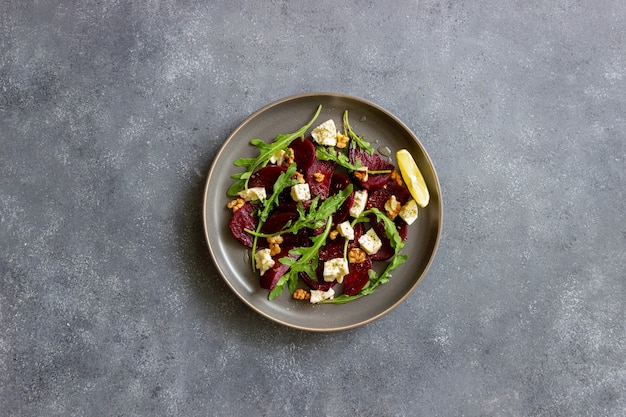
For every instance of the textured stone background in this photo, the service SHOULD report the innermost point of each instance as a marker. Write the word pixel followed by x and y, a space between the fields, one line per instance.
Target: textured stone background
pixel 111 113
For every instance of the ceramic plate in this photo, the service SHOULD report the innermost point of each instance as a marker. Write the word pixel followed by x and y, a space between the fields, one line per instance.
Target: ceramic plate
pixel 380 128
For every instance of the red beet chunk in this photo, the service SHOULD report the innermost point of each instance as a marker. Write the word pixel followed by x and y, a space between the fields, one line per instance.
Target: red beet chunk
pixel 373 163
pixel 244 219
pixel 378 197
pixel 276 222
pixel 338 183
pixel 272 275
pixel 286 204
pixel 333 249
pixel 266 177
pixel 303 153
pixel 357 277
pixel 318 284
pixel 320 188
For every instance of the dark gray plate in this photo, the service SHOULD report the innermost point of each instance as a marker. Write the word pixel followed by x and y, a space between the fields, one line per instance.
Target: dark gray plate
pixel 285 116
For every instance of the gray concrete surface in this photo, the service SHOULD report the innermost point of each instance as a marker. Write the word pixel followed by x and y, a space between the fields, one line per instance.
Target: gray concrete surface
pixel 111 113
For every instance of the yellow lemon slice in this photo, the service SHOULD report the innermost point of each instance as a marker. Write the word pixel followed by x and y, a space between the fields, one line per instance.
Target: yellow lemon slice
pixel 413 177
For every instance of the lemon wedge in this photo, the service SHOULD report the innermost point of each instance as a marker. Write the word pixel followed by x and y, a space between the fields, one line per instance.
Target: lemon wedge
pixel 413 177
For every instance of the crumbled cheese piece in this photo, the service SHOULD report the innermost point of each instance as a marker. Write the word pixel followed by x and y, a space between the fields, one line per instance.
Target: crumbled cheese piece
pixel 408 213
pixel 263 260
pixel 301 192
pixel 326 133
pixel 278 157
pixel 319 295
pixel 254 193
pixel 360 199
pixel 346 230
pixel 335 269
pixel 370 242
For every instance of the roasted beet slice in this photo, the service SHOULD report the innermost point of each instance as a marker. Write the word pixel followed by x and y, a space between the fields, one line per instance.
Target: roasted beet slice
pixel 338 183
pixel 266 177
pixel 290 206
pixel 303 153
pixel 333 249
pixel 373 163
pixel 272 275
pixel 320 188
pixel 357 278
pixel 241 220
pixel 277 221
pixel 316 284
pixel 378 197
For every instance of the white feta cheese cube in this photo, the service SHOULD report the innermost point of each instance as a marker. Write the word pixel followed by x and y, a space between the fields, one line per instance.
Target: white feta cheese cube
pixel 346 230
pixel 326 133
pixel 254 193
pixel 263 260
pixel 278 157
pixel 408 212
pixel 335 269
pixel 319 295
pixel 360 199
pixel 370 242
pixel 301 192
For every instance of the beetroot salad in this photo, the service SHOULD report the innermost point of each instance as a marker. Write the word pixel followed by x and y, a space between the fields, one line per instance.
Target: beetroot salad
pixel 319 211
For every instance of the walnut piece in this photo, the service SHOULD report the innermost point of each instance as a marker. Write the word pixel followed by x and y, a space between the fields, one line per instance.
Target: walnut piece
pixel 299 177
pixel 318 176
pixel 274 249
pixel 342 140
pixel 361 174
pixel 397 178
pixel 278 239
pixel 301 294
pixel 289 157
pixel 356 256
pixel 333 234
pixel 236 204
pixel 392 207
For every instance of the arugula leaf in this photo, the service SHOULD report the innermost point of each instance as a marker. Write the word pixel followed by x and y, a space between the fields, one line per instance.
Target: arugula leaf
pixel 266 151
pixel 283 181
pixel 338 157
pixel 363 144
pixel 342 160
pixel 306 254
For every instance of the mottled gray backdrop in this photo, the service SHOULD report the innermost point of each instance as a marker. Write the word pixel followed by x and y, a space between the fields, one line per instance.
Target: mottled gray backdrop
pixel 112 111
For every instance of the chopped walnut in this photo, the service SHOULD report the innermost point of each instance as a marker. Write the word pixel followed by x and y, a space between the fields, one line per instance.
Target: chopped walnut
pixel 342 140
pixel 236 204
pixel 356 256
pixel 392 207
pixel 361 174
pixel 397 178
pixel 274 249
pixel 278 239
pixel 298 176
pixel 318 176
pixel 274 242
pixel 301 294
pixel 333 234
pixel 289 157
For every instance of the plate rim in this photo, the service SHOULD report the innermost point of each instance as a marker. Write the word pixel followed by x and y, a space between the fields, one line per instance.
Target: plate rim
pixel 279 102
